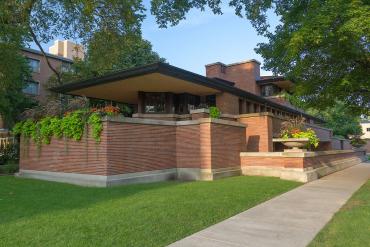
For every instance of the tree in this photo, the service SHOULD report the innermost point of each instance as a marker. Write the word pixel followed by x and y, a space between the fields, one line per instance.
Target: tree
pixel 13 71
pixel 340 119
pixel 123 52
pixel 41 21
pixel 111 29
pixel 323 46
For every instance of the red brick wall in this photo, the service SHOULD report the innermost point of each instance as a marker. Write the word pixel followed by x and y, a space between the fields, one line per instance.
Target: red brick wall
pixel 297 162
pixel 140 147
pixel 258 133
pixel 242 74
pixel 188 146
pixel 227 103
pixel 227 143
pixel 136 147
pixel 66 156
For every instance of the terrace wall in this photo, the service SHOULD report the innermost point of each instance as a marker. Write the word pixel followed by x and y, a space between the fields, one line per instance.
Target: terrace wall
pixel 138 150
pixel 299 166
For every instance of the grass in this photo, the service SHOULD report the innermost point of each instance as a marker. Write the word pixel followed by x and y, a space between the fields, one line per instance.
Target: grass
pixel 39 213
pixel 350 226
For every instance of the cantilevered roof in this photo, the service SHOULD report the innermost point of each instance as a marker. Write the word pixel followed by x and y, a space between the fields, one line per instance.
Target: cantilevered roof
pixel 122 86
pixel 280 81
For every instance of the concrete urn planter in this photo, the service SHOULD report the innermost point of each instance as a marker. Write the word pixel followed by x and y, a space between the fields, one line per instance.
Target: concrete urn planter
pixel 295 144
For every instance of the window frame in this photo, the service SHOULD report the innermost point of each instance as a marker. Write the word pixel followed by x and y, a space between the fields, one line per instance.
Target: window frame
pixel 33 82
pixel 34 59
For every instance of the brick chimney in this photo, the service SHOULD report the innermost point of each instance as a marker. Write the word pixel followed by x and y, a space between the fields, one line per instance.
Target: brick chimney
pixel 243 74
pixel 67 49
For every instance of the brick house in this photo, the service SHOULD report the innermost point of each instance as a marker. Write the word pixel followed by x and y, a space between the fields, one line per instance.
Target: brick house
pixel 171 136
pixel 60 56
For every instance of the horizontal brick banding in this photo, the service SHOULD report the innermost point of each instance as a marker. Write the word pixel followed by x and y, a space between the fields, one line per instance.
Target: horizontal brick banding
pixel 130 147
pixel 66 155
pixel 299 162
pixel 140 147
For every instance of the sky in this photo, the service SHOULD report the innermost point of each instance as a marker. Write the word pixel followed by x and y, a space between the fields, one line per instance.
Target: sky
pixel 204 38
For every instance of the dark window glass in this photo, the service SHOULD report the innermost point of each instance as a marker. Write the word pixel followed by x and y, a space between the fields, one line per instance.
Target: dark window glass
pixel 211 100
pixel 34 64
pixel 31 88
pixel 269 90
pixel 154 102
pixel 368 129
pixel 186 102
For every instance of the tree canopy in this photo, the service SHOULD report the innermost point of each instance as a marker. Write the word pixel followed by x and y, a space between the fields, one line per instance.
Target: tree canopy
pixel 323 46
pixel 340 119
pixel 110 29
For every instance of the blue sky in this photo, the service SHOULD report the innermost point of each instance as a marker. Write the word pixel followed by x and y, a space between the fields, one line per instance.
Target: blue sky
pixel 204 38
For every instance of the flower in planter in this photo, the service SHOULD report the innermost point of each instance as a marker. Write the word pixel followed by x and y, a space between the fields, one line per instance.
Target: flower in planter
pixel 295 128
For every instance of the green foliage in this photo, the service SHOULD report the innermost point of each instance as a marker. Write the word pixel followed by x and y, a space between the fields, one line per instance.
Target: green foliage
pixel 341 119
pixel 46 132
pixel 9 152
pixel 214 112
pixel 72 126
pixel 29 128
pixel 323 46
pixel 357 142
pixel 95 122
pixel 310 134
pixel 56 126
pixel 295 128
pixel 10 167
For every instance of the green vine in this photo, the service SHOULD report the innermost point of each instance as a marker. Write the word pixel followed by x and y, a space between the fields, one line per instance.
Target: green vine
pixel 72 126
pixel 96 124
pixel 214 112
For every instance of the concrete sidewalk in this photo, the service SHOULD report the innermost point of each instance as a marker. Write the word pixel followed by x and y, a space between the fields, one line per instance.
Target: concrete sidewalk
pixel 289 220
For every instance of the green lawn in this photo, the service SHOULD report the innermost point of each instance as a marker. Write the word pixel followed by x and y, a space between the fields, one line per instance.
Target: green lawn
pixel 350 226
pixel 39 213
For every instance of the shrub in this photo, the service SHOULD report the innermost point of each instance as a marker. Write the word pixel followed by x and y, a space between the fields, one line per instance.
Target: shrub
pixel 214 112
pixel 9 152
pixel 10 167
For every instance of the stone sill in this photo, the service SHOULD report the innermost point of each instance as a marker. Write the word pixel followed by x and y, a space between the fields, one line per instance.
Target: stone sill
pixel 122 119
pixel 295 154
pixel 155 115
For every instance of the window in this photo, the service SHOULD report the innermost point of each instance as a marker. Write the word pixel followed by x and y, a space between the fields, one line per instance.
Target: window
pixel 368 129
pixel 269 90
pixel 186 102
pixel 66 67
pixel 154 102
pixel 34 64
pixel 32 88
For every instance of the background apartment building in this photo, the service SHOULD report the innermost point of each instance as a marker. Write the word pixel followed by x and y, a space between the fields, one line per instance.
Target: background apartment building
pixel 60 56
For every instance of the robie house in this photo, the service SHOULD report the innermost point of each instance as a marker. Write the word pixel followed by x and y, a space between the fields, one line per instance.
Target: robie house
pixel 171 136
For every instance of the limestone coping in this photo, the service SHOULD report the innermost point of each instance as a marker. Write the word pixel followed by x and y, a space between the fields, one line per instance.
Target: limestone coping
pixel 290 139
pixel 122 119
pixel 295 154
pixel 170 115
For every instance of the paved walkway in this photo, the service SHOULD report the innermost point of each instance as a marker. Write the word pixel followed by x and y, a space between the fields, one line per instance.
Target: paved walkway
pixel 289 220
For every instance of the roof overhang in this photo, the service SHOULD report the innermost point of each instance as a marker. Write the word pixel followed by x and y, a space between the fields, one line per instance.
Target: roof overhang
pixel 279 81
pixel 122 86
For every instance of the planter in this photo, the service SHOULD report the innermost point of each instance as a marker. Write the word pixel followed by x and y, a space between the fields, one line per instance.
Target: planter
pixel 296 144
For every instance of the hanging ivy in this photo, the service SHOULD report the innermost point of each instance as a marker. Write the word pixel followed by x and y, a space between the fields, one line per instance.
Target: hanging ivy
pixel 96 124
pixel 71 126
